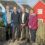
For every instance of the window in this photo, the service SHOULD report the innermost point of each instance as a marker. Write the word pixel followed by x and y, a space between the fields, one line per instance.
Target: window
pixel 40 11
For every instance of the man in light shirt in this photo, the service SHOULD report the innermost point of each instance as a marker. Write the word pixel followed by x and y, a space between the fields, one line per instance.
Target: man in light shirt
pixel 8 27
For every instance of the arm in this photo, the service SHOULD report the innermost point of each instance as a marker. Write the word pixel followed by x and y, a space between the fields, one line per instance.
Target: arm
pixel 19 18
pixel 12 17
pixel 27 18
pixel 4 18
pixel 3 9
pixel 35 22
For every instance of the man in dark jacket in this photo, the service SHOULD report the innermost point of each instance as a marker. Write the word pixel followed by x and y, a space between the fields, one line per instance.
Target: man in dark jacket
pixel 15 23
pixel 23 23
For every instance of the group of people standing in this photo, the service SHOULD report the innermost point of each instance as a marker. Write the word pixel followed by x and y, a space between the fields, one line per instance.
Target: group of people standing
pixel 17 25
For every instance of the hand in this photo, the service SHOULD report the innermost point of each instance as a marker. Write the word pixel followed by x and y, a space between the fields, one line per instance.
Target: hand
pixel 29 26
pixel 22 25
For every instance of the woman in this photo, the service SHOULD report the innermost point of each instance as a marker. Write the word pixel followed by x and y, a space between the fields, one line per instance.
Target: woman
pixel 33 25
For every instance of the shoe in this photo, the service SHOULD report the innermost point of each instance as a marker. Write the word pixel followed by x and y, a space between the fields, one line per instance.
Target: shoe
pixel 23 39
pixel 17 39
pixel 34 44
pixel 14 40
pixel 28 41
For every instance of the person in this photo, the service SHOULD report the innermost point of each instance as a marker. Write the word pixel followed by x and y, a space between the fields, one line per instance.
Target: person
pixel 33 25
pixel 8 27
pixel 15 24
pixel 7 23
pixel 23 23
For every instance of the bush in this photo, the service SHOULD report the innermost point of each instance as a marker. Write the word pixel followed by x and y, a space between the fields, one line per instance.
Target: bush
pixel 1 24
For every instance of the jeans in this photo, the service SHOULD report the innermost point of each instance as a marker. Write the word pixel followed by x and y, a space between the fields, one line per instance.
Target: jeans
pixel 16 32
pixel 33 34
pixel 23 33
pixel 8 32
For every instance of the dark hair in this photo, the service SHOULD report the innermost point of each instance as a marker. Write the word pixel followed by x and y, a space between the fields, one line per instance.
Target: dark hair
pixel 24 6
pixel 14 5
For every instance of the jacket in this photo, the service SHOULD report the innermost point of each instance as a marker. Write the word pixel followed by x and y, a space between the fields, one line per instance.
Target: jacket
pixel 15 18
pixel 33 21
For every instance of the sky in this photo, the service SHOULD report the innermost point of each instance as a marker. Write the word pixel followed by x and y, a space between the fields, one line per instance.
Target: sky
pixel 31 3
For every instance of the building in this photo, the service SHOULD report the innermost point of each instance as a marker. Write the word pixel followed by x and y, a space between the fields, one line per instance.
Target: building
pixel 40 10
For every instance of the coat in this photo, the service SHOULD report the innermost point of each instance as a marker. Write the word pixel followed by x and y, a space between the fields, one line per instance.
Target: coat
pixel 33 21
pixel 4 18
pixel 25 18
pixel 15 18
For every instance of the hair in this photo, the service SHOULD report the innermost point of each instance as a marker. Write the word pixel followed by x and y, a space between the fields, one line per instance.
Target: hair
pixel 14 5
pixel 24 6
pixel 31 9
pixel 6 5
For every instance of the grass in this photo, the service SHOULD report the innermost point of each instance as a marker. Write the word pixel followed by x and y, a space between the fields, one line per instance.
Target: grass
pixel 40 36
pixel 1 23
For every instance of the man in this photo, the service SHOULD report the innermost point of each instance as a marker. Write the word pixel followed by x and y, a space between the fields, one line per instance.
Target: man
pixel 8 27
pixel 15 23
pixel 23 22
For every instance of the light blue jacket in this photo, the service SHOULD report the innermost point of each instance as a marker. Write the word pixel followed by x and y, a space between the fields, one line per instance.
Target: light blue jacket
pixel 4 18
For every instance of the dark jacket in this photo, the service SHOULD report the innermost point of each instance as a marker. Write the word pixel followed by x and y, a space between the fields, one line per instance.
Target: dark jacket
pixel 15 18
pixel 25 18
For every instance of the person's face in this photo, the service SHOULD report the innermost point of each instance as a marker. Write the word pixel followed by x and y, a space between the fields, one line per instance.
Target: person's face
pixel 23 9
pixel 31 11
pixel 14 9
pixel 7 8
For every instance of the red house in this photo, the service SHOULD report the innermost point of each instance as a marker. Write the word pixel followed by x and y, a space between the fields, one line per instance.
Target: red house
pixel 39 8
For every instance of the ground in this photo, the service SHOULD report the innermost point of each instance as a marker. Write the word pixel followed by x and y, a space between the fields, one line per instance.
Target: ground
pixel 16 43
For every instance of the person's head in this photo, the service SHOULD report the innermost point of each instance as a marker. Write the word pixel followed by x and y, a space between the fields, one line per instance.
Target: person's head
pixel 31 11
pixel 14 8
pixel 23 9
pixel 7 7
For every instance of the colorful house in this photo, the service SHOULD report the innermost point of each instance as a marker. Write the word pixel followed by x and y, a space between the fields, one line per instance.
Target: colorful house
pixel 40 10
